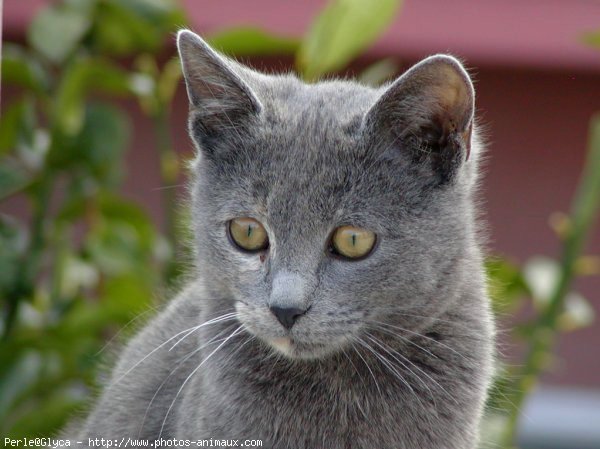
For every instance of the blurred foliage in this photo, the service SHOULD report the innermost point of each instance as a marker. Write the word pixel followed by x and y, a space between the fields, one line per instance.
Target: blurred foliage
pixel 542 290
pixel 334 38
pixel 87 261
pixel 592 38
pixel 544 286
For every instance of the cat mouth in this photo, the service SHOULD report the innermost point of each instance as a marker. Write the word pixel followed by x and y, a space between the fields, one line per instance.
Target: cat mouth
pixel 297 349
pixel 282 344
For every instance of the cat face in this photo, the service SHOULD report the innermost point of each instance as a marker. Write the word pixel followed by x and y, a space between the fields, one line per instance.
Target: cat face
pixel 325 210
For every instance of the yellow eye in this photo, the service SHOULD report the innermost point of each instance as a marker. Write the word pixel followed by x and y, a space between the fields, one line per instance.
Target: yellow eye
pixel 248 234
pixel 351 242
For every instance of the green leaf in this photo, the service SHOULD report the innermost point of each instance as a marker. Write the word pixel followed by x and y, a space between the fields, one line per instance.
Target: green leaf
pixel 56 31
pixel 13 242
pixel 9 127
pixel 506 285
pixel 119 32
pixel 17 126
pixel 343 30
pixel 81 78
pixel 126 296
pixel 97 149
pixel 77 274
pixel 592 39
pixel 124 239
pixel 116 248
pixel 18 377
pixel 83 320
pixel 20 68
pixel 113 207
pixel 20 137
pixel 103 141
pixel 379 72
pixel 161 13
pixel 12 178
pixel 500 389
pixel 44 416
pixel 252 42
pixel 124 27
pixel 168 81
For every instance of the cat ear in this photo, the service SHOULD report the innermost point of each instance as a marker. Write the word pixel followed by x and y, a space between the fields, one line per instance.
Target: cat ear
pixel 428 111
pixel 220 98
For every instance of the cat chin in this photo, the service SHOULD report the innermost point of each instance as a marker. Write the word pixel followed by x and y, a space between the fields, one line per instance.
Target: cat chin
pixel 296 350
pixel 282 346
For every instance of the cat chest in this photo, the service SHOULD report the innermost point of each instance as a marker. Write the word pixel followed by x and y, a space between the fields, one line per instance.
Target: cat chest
pixel 306 415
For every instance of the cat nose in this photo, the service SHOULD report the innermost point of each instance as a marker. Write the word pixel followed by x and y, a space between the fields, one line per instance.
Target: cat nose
pixel 287 316
pixel 288 299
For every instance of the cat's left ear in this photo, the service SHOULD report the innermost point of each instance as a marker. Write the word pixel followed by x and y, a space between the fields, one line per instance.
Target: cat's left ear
pixel 429 112
pixel 221 100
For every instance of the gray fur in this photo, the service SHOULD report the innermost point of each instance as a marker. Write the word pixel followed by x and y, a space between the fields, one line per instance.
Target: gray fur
pixel 396 349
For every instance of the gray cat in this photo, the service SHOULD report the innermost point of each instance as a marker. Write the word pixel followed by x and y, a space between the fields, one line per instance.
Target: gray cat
pixel 339 299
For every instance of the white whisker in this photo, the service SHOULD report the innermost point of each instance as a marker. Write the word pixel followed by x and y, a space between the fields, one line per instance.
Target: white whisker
pixel 425 337
pixel 378 326
pixel 389 366
pixel 215 339
pixel 129 323
pixel 188 331
pixel 233 334
pixel 369 368
pixel 398 353
pixel 226 317
pixel 355 368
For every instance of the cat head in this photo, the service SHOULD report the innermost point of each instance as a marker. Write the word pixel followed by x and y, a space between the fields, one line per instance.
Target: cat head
pixel 324 210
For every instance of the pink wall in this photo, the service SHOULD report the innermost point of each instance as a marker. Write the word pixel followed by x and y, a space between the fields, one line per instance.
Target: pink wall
pixel 544 33
pixel 541 33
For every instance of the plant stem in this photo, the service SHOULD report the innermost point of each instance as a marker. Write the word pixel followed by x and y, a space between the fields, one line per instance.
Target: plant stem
pixel 584 209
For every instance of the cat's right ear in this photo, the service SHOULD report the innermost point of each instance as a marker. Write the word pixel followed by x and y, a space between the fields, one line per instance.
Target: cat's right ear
pixel 221 101
pixel 427 115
